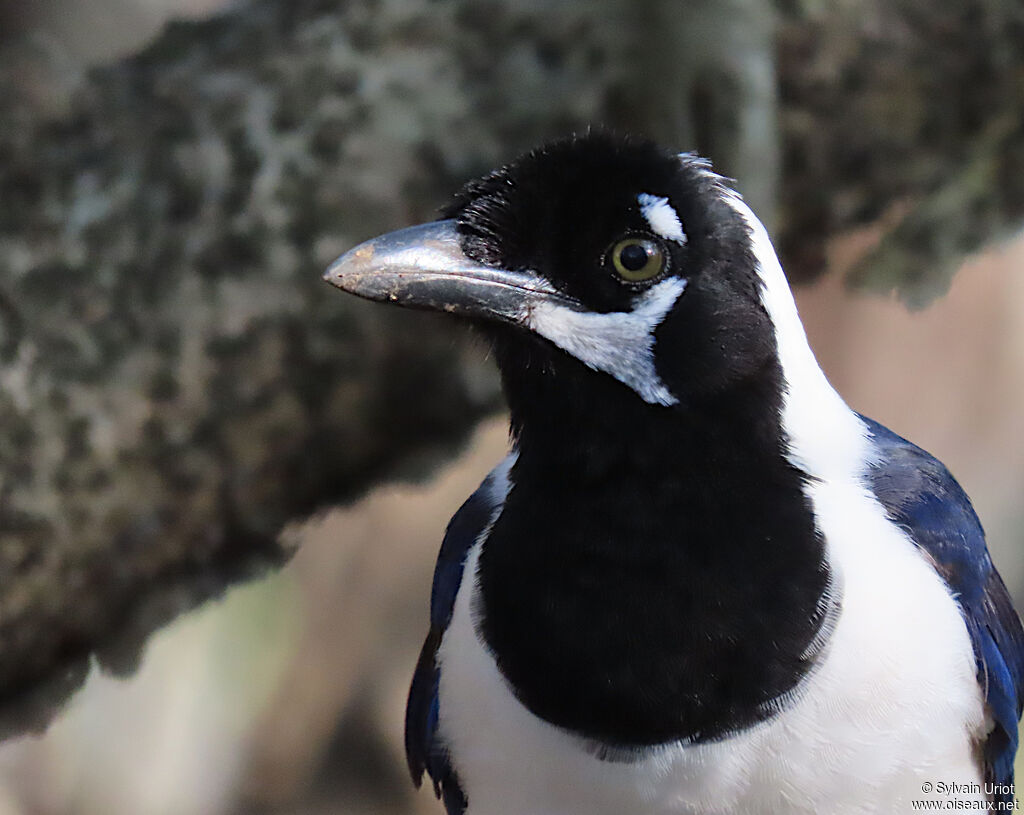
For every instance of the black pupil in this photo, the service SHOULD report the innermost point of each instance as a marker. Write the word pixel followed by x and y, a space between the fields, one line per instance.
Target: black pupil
pixel 633 257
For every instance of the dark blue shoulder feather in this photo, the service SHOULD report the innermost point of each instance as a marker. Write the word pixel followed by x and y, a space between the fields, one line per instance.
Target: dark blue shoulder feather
pixel 423 748
pixel 921 496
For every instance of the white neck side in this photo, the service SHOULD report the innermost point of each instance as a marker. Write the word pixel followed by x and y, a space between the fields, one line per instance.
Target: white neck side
pixel 826 438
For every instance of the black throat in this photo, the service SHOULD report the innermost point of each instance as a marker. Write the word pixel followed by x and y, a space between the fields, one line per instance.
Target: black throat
pixel 656 573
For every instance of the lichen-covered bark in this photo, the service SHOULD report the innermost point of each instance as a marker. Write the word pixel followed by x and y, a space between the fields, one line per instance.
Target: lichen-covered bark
pixel 175 381
pixel 909 114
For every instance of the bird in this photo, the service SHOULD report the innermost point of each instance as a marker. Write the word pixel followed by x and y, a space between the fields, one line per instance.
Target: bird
pixel 699 582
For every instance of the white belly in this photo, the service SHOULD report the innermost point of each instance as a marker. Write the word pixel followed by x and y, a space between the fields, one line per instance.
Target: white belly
pixel 894 704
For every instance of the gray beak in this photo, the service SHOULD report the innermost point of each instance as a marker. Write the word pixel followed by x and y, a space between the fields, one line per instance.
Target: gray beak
pixel 424 267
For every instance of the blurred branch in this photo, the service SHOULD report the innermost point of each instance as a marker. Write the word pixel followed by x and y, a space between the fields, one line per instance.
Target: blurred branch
pixel 703 78
pixel 175 381
pixel 901 107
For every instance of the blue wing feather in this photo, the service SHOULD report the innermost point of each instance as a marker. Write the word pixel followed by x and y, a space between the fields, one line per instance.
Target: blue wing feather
pixel 918 493
pixel 423 748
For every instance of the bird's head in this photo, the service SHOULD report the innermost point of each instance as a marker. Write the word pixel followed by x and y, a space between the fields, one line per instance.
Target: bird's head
pixel 593 260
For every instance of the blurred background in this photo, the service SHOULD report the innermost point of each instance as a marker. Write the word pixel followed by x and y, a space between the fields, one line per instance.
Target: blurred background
pixel 285 692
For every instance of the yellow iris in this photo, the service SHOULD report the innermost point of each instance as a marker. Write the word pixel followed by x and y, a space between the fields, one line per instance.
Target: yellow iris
pixel 638 259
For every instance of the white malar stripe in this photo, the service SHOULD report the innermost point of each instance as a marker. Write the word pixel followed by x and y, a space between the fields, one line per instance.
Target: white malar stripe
pixel 620 343
pixel 663 219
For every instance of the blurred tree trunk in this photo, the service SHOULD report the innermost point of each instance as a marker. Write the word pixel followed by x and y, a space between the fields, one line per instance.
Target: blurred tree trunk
pixel 176 383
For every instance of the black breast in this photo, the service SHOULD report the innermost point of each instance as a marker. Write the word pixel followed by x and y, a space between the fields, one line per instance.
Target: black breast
pixel 656 573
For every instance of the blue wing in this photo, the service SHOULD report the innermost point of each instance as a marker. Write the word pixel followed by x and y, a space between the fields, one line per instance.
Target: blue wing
pixel 423 748
pixel 921 496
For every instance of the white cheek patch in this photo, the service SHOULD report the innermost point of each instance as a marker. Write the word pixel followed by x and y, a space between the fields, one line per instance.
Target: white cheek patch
pixel 620 343
pixel 661 217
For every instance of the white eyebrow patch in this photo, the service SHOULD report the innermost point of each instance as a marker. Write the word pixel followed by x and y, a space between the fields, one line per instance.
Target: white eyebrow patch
pixel 658 212
pixel 620 343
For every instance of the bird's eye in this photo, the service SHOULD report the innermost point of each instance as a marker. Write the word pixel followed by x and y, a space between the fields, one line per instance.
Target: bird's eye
pixel 637 259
